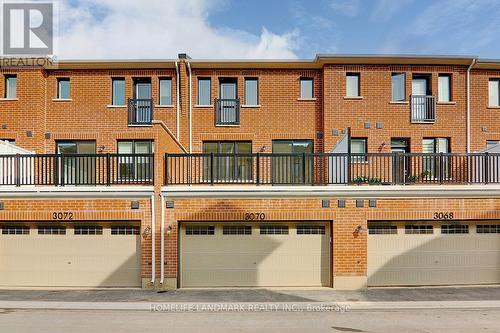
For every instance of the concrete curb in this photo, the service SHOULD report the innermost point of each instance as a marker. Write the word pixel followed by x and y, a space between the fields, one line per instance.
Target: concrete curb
pixel 249 306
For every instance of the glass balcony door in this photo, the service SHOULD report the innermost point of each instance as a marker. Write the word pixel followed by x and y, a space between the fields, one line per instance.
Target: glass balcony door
pixel 232 161
pixel 228 94
pixel 131 167
pixel 295 165
pixel 77 170
pixel 143 105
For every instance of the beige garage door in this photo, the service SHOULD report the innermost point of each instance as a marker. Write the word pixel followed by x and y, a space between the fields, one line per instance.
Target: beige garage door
pixel 253 255
pixel 427 253
pixel 85 255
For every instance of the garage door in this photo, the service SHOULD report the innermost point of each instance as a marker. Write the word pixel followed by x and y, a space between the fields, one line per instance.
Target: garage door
pixel 86 255
pixel 428 253
pixel 252 255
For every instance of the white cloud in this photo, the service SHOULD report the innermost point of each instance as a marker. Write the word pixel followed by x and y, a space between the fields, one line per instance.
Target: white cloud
pixel 386 9
pixel 345 7
pixel 159 29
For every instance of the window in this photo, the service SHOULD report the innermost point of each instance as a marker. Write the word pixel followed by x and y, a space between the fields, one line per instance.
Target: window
pixel 444 88
pixel 77 170
pixel 88 230
pixel 232 161
pixel 352 85
pixel 15 230
pixel 455 229
pixel 10 86
pixel 118 86
pixel 292 162
pixel 132 166
pixel 204 91
pixel 432 164
pixel 398 87
pixel 165 91
pixel 274 230
pixel 419 229
pixel 382 230
pixel 125 230
pixel 435 145
pixel 251 91
pixel 306 88
pixel 494 92
pixel 63 88
pixel 51 230
pixel 310 230
pixel 237 230
pixel 197 230
pixel 491 143
pixel 359 146
pixel 488 229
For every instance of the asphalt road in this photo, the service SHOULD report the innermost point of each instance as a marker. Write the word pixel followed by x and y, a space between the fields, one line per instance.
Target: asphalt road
pixel 407 321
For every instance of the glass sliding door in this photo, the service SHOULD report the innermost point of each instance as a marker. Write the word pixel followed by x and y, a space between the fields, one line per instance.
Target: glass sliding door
pixel 232 161
pixel 433 165
pixel 135 164
pixel 80 169
pixel 292 161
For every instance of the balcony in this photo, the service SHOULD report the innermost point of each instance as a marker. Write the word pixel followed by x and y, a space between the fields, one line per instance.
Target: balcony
pixel 423 109
pixel 85 170
pixel 140 111
pixel 227 111
pixel 331 169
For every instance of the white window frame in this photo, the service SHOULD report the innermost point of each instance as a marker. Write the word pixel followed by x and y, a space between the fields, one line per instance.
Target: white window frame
pixel 8 92
pixel 309 95
pixel 160 90
pixel 348 80
pixel 442 97
pixel 494 92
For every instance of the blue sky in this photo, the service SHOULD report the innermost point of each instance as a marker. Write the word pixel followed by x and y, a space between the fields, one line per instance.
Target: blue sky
pixel 277 28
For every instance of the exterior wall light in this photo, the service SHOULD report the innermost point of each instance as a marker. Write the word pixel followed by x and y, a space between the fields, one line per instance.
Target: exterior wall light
pixel 146 232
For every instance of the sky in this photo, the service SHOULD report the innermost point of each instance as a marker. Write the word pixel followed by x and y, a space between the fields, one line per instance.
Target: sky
pixel 281 29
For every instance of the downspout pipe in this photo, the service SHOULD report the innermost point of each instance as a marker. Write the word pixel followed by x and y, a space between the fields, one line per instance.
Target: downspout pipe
pixel 153 242
pixel 162 240
pixel 190 110
pixel 178 83
pixel 468 105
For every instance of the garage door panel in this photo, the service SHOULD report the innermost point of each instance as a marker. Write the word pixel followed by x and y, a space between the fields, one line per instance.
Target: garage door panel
pixel 70 260
pixel 255 260
pixel 437 259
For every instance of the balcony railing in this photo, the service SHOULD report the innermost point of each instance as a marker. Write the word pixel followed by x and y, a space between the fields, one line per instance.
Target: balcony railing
pixel 88 169
pixel 331 169
pixel 227 111
pixel 140 111
pixel 423 109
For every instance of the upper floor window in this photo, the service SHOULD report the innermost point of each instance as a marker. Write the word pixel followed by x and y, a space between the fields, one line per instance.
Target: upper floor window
pixel 63 88
pixel 444 88
pixel 118 93
pixel 165 91
pixel 251 91
pixel 306 88
pixel 352 85
pixel 10 86
pixel 494 92
pixel 204 91
pixel 398 87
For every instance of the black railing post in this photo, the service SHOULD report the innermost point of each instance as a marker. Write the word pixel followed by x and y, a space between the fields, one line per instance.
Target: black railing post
pixel 257 173
pixel 166 169
pixel 62 170
pixel 108 169
pixel 56 169
pixel 303 168
pixel 486 167
pixel 212 168
pixel 441 168
pixel 18 170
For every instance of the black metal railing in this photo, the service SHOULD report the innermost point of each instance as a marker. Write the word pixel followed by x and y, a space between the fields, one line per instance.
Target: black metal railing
pixel 331 169
pixel 423 109
pixel 78 169
pixel 140 111
pixel 227 111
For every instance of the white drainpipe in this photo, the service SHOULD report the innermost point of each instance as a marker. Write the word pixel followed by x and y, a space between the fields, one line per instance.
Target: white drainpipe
pixel 162 235
pixel 190 112
pixel 468 104
pixel 177 80
pixel 153 226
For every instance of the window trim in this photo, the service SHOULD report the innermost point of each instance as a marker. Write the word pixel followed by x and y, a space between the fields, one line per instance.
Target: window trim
pixel 307 79
pixel 97 230
pixel 59 80
pixel 113 80
pixel 160 79
pixel 256 79
pixel 198 102
pixel 393 74
pixel 354 74
pixel 450 87
pixel 7 77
